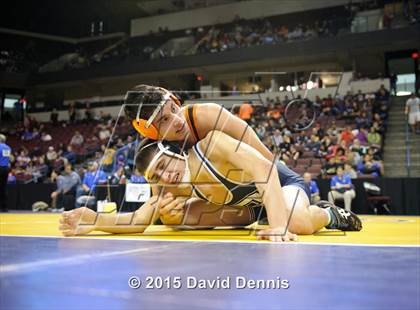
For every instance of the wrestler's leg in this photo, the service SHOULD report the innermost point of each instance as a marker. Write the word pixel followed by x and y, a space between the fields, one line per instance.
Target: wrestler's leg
pixel 305 219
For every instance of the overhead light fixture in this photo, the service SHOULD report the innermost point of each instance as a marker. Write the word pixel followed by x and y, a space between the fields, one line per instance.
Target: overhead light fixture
pixel 403 93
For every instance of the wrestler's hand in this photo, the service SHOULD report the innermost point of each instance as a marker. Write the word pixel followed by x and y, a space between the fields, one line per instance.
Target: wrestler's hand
pixel 171 209
pixel 278 234
pixel 79 221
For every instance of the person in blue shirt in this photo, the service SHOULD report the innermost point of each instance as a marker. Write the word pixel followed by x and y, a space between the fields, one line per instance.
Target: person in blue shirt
pixel 5 152
pixel 94 176
pixel 313 187
pixel 342 189
pixel 136 178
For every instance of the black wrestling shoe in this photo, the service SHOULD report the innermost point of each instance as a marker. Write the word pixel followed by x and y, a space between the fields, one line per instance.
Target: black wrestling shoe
pixel 342 219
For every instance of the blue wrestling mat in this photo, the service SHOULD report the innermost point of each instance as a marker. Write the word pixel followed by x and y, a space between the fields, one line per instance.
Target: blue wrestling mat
pixel 49 273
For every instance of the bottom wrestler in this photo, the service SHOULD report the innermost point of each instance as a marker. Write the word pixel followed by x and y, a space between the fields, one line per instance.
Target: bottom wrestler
pixel 221 171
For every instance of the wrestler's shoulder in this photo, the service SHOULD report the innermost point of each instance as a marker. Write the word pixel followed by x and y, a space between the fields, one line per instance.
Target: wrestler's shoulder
pixel 206 107
pixel 216 136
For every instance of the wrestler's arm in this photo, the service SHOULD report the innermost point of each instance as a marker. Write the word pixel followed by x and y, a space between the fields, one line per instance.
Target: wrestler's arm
pixel 253 163
pixel 82 221
pixel 197 213
pixel 212 116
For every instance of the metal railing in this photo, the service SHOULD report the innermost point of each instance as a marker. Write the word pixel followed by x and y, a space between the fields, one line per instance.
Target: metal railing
pixel 407 147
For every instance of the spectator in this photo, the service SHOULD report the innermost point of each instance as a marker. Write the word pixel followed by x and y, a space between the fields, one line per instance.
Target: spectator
pixel 313 143
pixel 108 157
pixel 54 117
pixel 285 153
pixel 375 153
pixel 348 168
pixel 119 161
pixel 368 167
pixel 64 196
pixel 315 196
pixel 41 166
pixel 362 136
pixel 23 159
pixel 118 177
pixel 357 148
pixel 51 155
pixel 330 168
pixel 362 120
pixel 302 139
pixel 72 112
pixel 346 135
pixel 104 133
pixel 5 153
pixel 393 81
pixel 77 140
pixel 374 138
pixel 137 178
pixel 277 138
pixel 90 180
pixel 88 113
pixel 45 137
pixel 70 155
pixel 245 111
pixel 412 109
pixel 28 134
pixel 382 95
pixel 342 189
pixel 120 143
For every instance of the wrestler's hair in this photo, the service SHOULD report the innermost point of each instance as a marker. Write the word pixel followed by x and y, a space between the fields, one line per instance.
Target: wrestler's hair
pixel 143 97
pixel 145 152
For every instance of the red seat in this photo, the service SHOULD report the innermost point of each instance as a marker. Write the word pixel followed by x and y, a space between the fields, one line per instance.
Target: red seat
pixel 299 170
pixel 316 161
pixel 290 162
pixel 303 162
pixel 307 154
pixel 316 166
pixel 315 171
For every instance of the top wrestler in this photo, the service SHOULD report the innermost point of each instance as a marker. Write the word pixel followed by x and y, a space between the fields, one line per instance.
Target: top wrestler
pixel 157 114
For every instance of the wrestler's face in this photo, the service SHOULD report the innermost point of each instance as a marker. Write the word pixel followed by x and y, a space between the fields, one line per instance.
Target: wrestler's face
pixel 167 170
pixel 171 122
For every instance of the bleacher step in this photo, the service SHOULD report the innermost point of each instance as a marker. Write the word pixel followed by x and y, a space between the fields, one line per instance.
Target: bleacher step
pixel 396 122
pixel 395 135
pixel 399 155
pixel 400 165
pixel 397 118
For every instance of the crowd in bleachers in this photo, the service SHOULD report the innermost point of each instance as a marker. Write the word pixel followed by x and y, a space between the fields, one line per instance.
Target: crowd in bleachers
pixel 245 33
pixel 349 132
pixel 42 149
pixel 78 154
pixel 218 38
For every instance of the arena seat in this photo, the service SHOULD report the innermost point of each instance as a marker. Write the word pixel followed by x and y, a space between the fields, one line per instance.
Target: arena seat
pixel 303 162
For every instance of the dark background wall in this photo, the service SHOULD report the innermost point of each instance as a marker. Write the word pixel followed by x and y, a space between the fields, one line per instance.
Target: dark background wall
pixel 404 193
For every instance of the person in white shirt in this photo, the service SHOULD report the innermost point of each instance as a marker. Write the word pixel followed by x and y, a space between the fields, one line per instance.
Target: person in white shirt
pixel 77 139
pixel 412 109
pixel 45 137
